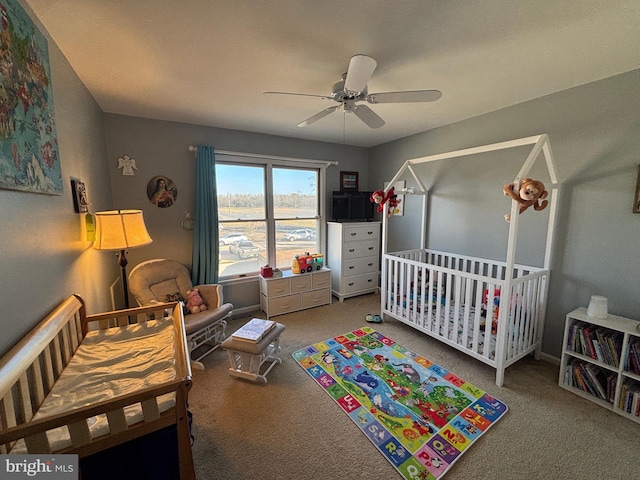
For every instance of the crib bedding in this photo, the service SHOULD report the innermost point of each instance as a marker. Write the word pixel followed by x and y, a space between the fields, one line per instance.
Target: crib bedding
pixel 108 364
pixel 454 330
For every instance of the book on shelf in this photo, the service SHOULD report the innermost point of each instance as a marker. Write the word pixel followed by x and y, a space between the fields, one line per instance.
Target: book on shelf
pixel 632 363
pixel 254 330
pixel 598 380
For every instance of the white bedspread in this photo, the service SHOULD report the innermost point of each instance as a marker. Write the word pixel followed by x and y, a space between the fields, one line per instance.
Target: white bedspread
pixel 108 364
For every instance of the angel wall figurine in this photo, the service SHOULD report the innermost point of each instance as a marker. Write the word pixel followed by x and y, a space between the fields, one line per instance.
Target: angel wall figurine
pixel 127 164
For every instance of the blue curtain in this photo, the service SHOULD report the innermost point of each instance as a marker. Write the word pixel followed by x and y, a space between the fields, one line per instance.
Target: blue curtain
pixel 205 231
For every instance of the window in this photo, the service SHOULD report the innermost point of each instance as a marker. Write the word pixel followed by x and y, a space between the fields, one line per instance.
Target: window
pixel 268 211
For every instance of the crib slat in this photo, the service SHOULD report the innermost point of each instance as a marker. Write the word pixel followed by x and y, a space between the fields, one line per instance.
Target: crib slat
pixel 476 321
pixel 117 420
pixel 37 443
pixel 48 369
pixel 25 397
pixel 38 382
pixel 79 433
pixel 7 411
pixel 150 409
pixel 66 345
pixel 57 355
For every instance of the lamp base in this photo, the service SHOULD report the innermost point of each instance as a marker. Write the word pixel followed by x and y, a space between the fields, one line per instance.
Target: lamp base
pixel 122 261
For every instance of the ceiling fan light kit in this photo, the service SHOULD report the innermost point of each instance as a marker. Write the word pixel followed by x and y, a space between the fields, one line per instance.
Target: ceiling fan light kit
pixel 353 88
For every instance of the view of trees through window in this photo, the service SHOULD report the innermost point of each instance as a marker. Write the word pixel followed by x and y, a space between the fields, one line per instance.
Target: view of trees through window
pixel 267 214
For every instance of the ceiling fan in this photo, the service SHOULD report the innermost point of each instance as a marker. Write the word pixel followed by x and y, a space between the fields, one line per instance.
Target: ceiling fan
pixel 352 89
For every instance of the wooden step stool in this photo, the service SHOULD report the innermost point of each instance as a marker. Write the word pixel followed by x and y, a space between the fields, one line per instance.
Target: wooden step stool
pixel 247 358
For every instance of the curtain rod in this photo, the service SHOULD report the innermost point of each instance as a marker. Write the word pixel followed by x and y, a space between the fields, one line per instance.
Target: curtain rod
pixel 194 149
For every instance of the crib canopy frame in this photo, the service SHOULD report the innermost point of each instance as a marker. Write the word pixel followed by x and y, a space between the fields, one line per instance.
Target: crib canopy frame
pixel 540 146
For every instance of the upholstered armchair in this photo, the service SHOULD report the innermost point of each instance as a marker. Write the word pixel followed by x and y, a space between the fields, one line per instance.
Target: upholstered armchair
pixel 160 280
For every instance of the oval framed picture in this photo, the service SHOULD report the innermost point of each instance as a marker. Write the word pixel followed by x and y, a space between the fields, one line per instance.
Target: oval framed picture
pixel 162 192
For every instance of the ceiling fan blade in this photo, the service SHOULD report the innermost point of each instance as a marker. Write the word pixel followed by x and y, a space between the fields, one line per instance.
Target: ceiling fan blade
pixel 318 116
pixel 299 95
pixel 405 97
pixel 368 116
pixel 361 68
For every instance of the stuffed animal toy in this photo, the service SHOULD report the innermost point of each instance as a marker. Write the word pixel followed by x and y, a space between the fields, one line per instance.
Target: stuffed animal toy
pixel 530 193
pixel 390 198
pixel 195 302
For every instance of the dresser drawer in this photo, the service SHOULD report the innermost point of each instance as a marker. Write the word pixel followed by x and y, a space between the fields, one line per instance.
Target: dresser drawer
pixel 321 280
pixel 352 233
pixel 279 305
pixel 366 248
pixel 367 281
pixel 357 266
pixel 301 283
pixel 279 286
pixel 316 297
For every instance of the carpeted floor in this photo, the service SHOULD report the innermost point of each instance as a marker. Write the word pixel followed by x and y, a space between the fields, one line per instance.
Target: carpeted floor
pixel 291 429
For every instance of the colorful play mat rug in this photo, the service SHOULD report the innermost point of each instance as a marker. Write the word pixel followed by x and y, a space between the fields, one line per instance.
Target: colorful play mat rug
pixel 421 417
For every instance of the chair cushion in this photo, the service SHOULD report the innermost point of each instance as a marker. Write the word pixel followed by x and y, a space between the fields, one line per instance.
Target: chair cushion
pixel 154 280
pixel 197 321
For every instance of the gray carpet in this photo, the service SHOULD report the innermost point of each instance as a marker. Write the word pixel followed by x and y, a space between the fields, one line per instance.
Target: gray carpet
pixel 291 429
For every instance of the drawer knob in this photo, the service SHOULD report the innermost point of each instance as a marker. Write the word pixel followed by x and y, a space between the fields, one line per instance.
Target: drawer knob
pixel 352 250
pixel 370 248
pixel 353 234
pixel 351 284
pixel 351 267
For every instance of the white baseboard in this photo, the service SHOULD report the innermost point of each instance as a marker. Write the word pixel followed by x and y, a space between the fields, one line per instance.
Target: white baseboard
pixel 545 357
pixel 238 312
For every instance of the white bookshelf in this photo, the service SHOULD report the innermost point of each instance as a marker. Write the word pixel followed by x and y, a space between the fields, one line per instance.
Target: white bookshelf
pixel 578 356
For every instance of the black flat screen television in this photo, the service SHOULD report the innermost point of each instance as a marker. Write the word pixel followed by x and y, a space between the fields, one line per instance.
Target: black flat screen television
pixel 352 206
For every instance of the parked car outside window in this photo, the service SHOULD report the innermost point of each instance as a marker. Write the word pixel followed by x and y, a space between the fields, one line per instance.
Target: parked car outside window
pixel 244 249
pixel 300 234
pixel 230 238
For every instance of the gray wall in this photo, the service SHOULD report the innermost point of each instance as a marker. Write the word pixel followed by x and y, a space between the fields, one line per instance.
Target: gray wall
pixel 595 135
pixel 43 255
pixel 594 131
pixel 161 148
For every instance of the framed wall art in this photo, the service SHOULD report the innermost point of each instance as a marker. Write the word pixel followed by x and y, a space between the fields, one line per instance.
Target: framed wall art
pixel 162 192
pixel 80 197
pixel 349 181
pixel 28 143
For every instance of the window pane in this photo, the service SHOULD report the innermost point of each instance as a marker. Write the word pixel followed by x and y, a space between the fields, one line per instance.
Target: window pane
pixel 240 192
pixel 242 248
pixel 294 237
pixel 295 193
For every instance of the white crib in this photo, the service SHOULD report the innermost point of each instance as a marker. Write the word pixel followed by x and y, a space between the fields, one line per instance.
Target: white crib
pixel 494 311
pixel 462 301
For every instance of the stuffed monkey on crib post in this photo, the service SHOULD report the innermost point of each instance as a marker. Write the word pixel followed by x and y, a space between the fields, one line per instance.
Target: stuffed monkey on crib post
pixel 530 193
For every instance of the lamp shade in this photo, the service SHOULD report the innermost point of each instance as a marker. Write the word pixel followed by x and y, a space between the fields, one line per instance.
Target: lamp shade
pixel 120 229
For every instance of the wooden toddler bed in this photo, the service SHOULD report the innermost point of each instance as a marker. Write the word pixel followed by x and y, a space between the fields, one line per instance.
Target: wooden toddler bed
pixel 494 311
pixel 82 383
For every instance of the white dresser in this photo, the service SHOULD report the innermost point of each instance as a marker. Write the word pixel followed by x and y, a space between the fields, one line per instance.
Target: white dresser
pixel 292 292
pixel 353 253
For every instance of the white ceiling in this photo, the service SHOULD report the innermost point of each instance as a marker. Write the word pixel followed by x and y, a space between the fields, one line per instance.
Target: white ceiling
pixel 207 62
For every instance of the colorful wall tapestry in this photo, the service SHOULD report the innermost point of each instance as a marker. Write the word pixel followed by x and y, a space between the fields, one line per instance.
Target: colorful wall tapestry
pixel 28 144
pixel 421 417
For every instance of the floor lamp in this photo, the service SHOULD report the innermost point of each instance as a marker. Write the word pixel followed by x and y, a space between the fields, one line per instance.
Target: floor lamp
pixel 120 230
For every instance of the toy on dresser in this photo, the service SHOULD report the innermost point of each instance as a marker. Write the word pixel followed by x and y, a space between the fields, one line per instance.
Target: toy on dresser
pixel 307 263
